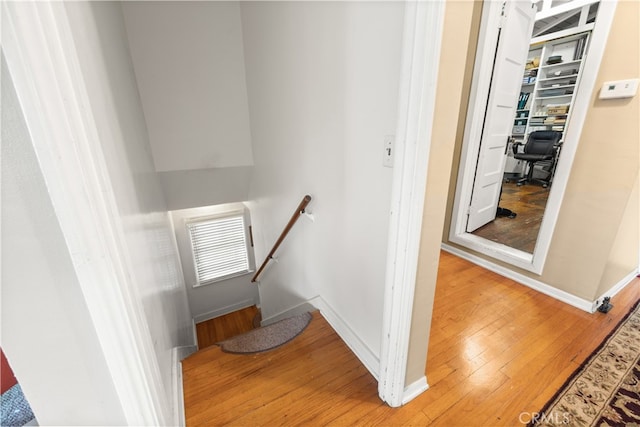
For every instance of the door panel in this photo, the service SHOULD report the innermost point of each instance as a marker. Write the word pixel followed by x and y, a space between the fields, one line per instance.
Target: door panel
pixel 511 55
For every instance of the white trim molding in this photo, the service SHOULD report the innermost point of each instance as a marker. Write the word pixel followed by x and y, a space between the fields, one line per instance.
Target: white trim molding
pixel 539 286
pixel 414 390
pixel 560 295
pixel 422 41
pixel 297 309
pixel 44 65
pixel 547 12
pixel 223 310
pixel 361 350
pixel 177 354
pixel 350 338
pixel 622 283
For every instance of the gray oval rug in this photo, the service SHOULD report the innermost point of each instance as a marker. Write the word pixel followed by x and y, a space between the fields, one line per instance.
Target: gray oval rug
pixel 267 337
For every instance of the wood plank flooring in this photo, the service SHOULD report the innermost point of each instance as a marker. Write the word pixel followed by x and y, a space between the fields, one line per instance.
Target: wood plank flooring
pixel 227 326
pixel 528 202
pixel 498 351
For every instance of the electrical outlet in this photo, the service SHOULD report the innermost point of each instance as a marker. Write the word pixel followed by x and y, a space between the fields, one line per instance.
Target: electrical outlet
pixel 387 157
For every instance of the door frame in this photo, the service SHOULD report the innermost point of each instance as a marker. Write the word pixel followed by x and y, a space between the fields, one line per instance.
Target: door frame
pixel 477 105
pixel 44 66
pixel 65 138
pixel 422 39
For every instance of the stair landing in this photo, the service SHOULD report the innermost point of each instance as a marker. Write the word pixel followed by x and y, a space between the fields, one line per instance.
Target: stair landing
pixel 313 379
pixel 225 327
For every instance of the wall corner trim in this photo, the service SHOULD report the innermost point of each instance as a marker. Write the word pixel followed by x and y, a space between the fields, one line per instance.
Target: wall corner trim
pixel 414 389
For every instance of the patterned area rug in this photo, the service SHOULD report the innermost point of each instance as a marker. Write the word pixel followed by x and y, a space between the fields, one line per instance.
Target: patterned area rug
pixel 14 408
pixel 605 390
pixel 267 337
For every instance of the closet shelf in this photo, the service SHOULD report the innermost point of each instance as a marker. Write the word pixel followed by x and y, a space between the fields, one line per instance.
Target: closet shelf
pixel 548 93
pixel 568 95
pixel 548 79
pixel 550 115
pixel 546 67
pixel 556 87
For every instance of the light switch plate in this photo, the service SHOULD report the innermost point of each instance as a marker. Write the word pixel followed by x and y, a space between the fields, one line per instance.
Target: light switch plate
pixel 387 156
pixel 619 89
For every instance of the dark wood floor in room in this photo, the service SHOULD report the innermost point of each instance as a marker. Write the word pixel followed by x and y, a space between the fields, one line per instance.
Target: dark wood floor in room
pixel 497 350
pixel 528 202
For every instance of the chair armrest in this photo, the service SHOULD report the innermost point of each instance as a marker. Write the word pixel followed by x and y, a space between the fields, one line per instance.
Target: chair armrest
pixel 515 146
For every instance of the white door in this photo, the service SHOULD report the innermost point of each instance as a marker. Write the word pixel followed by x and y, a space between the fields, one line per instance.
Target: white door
pixel 508 69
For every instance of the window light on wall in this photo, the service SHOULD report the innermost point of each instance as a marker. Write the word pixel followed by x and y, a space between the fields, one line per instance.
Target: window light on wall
pixel 219 248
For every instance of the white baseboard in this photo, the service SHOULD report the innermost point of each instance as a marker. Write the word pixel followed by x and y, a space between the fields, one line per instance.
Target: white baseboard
pixel 303 307
pixel 194 331
pixel 357 346
pixel 615 289
pixel 203 317
pixel 539 286
pixel 177 354
pixel 414 389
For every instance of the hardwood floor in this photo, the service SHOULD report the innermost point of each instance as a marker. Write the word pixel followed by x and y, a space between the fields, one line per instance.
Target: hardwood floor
pixel 528 202
pixel 227 326
pixel 497 351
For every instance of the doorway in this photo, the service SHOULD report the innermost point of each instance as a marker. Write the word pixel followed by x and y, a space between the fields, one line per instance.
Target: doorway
pixel 560 38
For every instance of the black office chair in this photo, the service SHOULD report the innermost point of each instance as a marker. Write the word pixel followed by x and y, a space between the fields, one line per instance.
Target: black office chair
pixel 542 146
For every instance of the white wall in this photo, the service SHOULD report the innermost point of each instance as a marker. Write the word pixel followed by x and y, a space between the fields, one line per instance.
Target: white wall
pixel 100 37
pixel 322 80
pixel 188 59
pixel 205 187
pixel 47 331
pixel 622 257
pixel 225 296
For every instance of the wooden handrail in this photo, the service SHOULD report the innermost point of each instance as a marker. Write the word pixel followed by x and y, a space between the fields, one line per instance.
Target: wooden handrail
pixel 299 211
